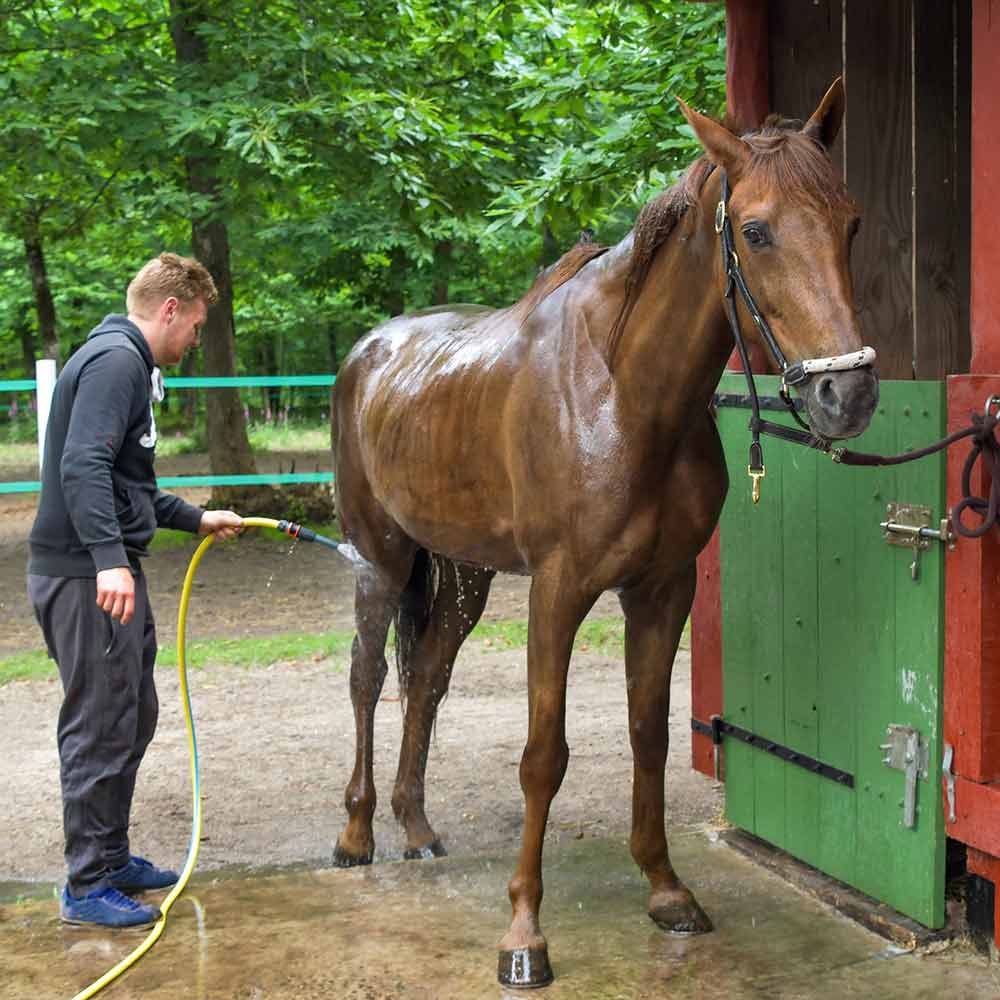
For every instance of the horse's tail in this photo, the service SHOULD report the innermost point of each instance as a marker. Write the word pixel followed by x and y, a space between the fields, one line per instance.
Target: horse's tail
pixel 414 612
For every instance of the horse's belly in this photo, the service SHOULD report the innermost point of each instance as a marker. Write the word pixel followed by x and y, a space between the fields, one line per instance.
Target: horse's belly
pixel 447 489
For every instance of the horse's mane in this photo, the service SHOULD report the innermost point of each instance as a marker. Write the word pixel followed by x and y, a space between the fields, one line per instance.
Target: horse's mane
pixel 555 275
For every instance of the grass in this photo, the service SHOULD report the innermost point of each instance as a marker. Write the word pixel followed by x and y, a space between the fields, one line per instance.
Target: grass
pixel 15 455
pixel 255 652
pixel 605 635
pixel 291 436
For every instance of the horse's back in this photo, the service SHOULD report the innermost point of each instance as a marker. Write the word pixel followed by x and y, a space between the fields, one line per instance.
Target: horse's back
pixel 418 406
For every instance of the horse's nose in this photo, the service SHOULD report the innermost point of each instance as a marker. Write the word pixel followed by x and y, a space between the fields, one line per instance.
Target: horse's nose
pixel 841 404
pixel 826 396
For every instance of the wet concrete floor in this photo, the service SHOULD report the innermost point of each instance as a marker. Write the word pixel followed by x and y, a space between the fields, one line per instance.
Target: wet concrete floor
pixel 428 930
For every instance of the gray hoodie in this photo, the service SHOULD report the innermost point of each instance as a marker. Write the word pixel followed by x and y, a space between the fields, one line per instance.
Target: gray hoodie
pixel 100 504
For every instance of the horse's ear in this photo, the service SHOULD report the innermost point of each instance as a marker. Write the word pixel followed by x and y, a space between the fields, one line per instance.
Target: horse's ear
pixel 824 124
pixel 721 147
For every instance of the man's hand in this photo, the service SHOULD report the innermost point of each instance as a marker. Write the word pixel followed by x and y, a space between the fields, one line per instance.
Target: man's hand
pixel 116 593
pixel 224 524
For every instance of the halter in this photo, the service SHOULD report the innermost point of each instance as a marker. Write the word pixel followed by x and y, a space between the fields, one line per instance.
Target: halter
pixel 791 374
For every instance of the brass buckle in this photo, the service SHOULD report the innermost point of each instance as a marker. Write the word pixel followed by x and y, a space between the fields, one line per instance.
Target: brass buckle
pixel 720 216
pixel 756 475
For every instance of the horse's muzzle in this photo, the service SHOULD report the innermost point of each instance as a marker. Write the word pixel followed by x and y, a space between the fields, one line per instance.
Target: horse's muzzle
pixel 841 404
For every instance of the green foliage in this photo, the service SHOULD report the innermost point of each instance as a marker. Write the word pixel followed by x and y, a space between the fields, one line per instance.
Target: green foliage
pixel 352 142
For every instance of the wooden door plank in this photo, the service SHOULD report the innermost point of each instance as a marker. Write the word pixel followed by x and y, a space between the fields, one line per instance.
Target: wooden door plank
pixel 800 528
pixel 940 210
pixel 839 661
pixel 737 641
pixel 767 597
pixel 876 571
pixel 806 57
pixel 879 175
pixel 918 665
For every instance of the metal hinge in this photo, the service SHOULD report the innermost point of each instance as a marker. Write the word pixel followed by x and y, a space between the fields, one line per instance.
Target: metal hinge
pixel 949 779
pixel 906 752
pixel 719 728
pixel 909 525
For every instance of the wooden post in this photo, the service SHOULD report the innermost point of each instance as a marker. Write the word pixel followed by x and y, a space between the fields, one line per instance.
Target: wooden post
pixel 747 102
pixel 972 583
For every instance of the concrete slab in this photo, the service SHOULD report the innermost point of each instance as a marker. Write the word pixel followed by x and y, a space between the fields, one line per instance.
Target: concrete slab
pixel 428 931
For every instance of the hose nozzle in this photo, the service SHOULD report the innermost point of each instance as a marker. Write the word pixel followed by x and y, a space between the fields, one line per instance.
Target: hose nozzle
pixel 294 530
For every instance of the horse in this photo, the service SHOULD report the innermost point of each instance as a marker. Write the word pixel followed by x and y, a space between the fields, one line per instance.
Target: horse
pixel 570 437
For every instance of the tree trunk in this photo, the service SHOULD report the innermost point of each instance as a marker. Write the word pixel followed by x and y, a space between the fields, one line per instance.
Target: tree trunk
pixel 228 446
pixel 267 358
pixel 189 407
pixel 27 339
pixel 550 246
pixel 392 299
pixel 442 271
pixel 44 304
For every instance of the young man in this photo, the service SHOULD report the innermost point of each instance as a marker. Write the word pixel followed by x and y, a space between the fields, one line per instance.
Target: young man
pixel 98 510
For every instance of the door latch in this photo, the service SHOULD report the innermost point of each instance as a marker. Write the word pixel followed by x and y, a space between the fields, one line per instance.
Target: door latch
pixel 909 525
pixel 906 752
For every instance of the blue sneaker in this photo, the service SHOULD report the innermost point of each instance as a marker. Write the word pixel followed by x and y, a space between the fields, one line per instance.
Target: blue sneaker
pixel 140 875
pixel 106 908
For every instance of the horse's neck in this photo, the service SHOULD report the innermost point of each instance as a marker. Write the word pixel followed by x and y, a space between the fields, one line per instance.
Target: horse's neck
pixel 676 342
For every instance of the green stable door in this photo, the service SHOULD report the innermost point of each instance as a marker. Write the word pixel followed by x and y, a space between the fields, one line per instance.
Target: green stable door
pixel 832 648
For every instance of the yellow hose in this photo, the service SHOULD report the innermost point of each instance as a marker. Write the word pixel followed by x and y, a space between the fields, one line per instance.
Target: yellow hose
pixel 126 963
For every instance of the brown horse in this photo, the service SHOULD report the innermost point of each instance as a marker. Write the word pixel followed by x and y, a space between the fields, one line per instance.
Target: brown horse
pixel 570 438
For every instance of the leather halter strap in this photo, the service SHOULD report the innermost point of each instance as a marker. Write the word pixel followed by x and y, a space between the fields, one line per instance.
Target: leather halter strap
pixel 791 374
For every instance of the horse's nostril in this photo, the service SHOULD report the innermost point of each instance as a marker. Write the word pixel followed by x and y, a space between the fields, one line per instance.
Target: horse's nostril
pixel 826 395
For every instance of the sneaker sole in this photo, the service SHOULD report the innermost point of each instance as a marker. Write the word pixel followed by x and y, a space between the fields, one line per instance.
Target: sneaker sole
pixel 94 926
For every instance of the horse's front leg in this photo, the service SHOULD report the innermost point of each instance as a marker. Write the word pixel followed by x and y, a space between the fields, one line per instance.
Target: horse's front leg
pixel 654 618
pixel 555 613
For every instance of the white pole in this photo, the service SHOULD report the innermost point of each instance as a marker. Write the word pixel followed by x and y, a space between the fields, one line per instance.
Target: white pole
pixel 45 382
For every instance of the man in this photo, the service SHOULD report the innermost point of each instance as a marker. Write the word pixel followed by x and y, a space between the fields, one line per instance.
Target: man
pixel 98 510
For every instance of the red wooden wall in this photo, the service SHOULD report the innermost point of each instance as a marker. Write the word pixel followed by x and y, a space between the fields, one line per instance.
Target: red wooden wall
pixel 972 576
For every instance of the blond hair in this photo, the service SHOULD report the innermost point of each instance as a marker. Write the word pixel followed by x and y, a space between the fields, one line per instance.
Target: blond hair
pixel 166 275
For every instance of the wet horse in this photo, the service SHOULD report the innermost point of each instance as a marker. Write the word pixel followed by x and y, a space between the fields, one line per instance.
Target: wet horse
pixel 569 438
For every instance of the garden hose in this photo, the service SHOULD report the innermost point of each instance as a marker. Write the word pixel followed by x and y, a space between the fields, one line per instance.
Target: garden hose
pixel 293 530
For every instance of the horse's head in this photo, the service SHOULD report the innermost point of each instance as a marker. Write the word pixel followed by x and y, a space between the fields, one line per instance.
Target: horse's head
pixel 792 225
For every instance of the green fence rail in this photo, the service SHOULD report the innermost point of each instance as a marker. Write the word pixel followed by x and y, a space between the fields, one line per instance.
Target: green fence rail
pixel 192 382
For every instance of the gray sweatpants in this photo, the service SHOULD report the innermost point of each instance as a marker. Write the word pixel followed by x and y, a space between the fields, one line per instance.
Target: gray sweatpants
pixel 107 718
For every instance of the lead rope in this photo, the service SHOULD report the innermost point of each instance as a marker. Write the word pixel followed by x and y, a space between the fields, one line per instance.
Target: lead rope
pixel 982 430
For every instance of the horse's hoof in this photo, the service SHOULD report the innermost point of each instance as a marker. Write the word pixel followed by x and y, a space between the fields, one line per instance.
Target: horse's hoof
pixel 525 968
pixel 435 849
pixel 681 915
pixel 344 859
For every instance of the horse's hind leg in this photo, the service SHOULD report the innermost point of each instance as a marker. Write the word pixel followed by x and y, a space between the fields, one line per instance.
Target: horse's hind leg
pixel 654 618
pixel 459 601
pixel 376 597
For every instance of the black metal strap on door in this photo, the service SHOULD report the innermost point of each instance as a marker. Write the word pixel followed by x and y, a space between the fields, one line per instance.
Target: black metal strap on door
pixel 718 728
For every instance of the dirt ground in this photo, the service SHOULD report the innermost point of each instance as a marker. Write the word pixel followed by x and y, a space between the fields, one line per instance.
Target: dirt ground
pixel 276 744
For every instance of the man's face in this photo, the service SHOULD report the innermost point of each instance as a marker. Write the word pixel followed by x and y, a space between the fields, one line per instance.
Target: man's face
pixel 183 330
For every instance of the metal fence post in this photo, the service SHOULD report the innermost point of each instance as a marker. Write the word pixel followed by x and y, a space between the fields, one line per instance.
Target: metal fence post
pixel 45 379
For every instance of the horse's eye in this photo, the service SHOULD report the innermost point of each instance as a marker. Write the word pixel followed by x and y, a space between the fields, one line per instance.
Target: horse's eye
pixel 756 235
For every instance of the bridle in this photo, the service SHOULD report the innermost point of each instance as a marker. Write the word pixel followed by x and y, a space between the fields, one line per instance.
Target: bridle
pixel 792 374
